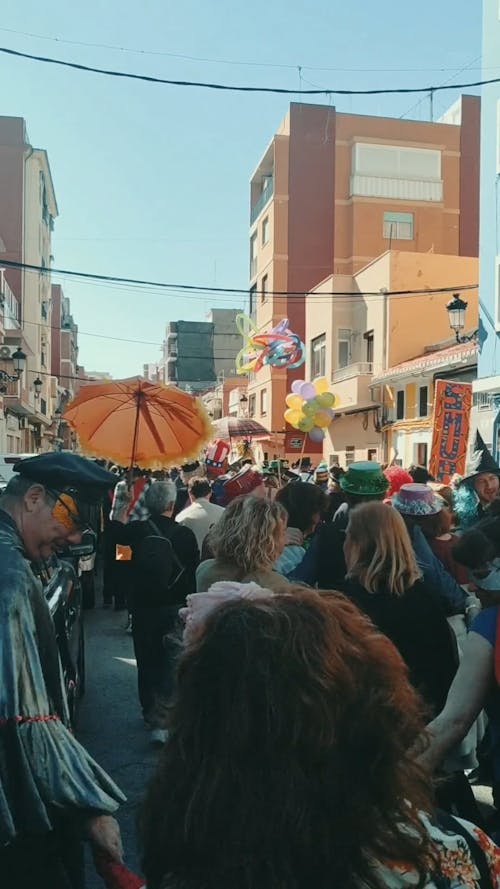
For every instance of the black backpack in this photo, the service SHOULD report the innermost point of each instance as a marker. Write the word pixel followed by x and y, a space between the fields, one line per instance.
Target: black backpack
pixel 157 567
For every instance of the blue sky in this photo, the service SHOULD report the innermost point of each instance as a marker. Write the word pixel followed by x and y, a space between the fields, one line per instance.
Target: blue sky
pixel 152 181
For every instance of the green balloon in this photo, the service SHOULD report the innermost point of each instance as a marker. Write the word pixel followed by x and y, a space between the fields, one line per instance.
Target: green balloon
pixel 306 424
pixel 326 399
pixel 310 407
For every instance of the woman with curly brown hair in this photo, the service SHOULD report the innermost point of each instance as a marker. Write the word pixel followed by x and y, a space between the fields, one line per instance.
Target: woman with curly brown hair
pixel 246 543
pixel 287 763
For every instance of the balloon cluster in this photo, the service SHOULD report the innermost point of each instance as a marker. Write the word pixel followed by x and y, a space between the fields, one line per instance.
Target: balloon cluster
pixel 279 347
pixel 310 407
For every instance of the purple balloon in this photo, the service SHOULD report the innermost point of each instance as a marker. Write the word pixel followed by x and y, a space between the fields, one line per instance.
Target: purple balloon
pixel 296 386
pixel 316 434
pixel 307 391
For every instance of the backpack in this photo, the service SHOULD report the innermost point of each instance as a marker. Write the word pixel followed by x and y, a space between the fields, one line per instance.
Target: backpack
pixel 156 565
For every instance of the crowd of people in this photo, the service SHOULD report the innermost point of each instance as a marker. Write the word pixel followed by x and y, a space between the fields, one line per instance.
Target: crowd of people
pixel 315 653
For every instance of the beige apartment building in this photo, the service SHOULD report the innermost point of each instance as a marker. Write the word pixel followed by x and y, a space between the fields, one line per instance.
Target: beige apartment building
pixel 28 209
pixel 365 343
pixel 331 193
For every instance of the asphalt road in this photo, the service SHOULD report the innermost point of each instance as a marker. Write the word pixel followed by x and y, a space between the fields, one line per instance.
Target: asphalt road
pixel 110 724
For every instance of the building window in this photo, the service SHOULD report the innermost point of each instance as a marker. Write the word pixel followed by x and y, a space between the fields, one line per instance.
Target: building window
pixel 43 406
pixel 265 230
pixel 263 288
pixel 421 454
pixel 252 297
pixel 423 401
pixel 400 405
pixel 343 348
pixel 251 405
pixel 371 454
pixel 263 402
pixel 398 226
pixel 396 172
pixel 349 455
pixel 368 336
pixel 318 356
pixel 253 255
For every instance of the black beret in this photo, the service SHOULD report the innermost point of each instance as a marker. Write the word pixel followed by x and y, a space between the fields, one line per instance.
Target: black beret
pixel 61 471
pixel 190 467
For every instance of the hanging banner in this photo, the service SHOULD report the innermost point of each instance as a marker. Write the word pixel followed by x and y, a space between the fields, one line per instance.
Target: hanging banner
pixel 452 406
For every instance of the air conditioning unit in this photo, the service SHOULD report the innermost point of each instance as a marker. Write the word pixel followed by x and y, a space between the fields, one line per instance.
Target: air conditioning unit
pixel 6 352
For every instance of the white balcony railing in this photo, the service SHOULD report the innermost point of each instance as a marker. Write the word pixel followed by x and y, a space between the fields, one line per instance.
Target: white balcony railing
pixel 397 189
pixel 358 369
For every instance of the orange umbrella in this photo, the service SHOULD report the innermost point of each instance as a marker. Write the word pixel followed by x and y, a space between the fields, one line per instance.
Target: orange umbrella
pixel 134 422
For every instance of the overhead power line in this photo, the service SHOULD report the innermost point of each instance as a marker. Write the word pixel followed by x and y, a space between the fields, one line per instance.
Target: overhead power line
pixel 225 87
pixel 212 59
pixel 203 288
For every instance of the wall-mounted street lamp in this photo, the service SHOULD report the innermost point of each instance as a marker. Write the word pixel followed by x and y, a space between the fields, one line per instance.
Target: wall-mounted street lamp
pixel 456 313
pixel 37 386
pixel 19 361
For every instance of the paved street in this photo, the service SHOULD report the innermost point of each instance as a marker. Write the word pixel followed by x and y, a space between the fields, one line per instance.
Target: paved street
pixel 110 724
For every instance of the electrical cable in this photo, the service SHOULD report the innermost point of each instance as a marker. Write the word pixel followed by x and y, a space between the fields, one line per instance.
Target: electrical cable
pixel 225 87
pixel 115 279
pixel 212 60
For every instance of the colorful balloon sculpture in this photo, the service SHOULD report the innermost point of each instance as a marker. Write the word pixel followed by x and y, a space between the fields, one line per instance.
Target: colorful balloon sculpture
pixel 279 347
pixel 310 407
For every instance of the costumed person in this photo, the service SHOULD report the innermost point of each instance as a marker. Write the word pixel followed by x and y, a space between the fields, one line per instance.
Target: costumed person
pixel 188 471
pixel 324 562
pixel 131 494
pixel 321 476
pixel 397 477
pixel 478 488
pixel 216 458
pixel 52 793
pixel 164 559
pixel 305 505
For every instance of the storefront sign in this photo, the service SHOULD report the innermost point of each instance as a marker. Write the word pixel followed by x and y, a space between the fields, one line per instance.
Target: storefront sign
pixel 452 406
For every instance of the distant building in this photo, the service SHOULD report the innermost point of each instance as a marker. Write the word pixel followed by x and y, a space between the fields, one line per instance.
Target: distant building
pixel 227 340
pixel 197 354
pixel 28 209
pixel 64 360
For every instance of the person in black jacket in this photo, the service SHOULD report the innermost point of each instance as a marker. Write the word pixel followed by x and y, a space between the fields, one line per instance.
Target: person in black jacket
pixel 156 600
pixel 384 581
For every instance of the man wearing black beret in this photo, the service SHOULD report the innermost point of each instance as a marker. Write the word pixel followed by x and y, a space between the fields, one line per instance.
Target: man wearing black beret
pixel 52 794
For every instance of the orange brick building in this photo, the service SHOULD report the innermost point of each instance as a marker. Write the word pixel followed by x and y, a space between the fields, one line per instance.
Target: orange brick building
pixel 334 191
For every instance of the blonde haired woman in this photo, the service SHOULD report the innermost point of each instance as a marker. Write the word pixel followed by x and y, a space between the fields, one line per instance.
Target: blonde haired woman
pixel 384 581
pixel 246 542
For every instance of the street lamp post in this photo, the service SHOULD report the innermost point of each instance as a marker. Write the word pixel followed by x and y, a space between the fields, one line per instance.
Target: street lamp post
pixel 19 360
pixel 456 313
pixel 37 386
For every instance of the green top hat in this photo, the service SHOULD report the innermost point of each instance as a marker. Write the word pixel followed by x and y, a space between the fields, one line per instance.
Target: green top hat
pixel 364 479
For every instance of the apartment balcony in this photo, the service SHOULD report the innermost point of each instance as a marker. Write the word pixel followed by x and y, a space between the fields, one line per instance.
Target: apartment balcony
pixel 351 386
pixel 397 189
pixel 18 401
pixel 263 199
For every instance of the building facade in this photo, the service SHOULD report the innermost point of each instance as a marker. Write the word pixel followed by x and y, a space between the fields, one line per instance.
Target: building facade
pixel 198 354
pixel 334 191
pixel 28 209
pixel 227 340
pixel 355 339
pixel 486 399
pixel 406 393
pixel 64 363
